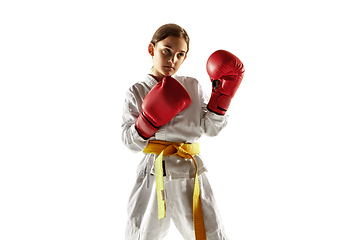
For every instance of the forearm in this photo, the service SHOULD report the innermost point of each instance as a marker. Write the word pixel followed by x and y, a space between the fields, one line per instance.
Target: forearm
pixel 131 138
pixel 212 123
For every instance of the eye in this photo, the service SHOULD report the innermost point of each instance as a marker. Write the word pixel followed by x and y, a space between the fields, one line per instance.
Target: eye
pixel 180 55
pixel 167 50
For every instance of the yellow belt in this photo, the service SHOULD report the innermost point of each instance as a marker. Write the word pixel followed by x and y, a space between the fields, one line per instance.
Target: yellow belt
pixel 186 151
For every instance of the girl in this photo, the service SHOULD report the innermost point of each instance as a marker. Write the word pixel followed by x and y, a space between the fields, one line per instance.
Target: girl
pixel 163 116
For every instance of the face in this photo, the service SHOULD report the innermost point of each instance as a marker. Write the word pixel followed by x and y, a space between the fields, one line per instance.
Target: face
pixel 168 55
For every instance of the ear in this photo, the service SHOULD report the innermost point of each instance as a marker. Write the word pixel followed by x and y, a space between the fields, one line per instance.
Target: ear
pixel 151 49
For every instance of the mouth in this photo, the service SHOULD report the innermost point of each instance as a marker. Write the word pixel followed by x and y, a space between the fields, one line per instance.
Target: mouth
pixel 169 67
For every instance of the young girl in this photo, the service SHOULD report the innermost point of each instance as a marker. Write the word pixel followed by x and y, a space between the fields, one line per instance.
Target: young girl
pixel 164 116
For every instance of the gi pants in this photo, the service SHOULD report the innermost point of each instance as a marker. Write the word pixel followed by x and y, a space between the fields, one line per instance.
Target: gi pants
pixel 143 223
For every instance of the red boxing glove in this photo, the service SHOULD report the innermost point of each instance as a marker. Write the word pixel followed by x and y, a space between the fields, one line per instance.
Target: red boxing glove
pixel 226 72
pixel 160 105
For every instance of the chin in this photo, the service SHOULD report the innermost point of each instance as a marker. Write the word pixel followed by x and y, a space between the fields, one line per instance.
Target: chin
pixel 168 74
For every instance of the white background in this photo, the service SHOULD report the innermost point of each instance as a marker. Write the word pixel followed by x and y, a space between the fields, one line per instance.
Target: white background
pixel 286 167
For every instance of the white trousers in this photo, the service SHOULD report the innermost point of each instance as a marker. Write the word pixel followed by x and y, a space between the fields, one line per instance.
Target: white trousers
pixel 143 223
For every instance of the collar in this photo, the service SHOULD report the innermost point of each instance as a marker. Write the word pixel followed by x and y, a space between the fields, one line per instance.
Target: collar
pixel 152 81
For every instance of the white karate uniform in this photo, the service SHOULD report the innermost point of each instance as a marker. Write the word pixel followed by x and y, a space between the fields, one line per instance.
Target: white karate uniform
pixel 186 127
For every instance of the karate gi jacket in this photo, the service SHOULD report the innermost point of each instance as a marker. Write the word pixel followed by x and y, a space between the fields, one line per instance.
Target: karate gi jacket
pixel 186 127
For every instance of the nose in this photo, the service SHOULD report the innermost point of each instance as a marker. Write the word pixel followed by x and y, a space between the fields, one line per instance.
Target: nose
pixel 172 59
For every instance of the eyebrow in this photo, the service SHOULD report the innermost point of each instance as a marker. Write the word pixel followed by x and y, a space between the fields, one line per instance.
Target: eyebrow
pixel 171 48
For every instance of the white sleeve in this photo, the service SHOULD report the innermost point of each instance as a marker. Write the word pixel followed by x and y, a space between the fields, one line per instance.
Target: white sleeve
pixel 131 111
pixel 211 123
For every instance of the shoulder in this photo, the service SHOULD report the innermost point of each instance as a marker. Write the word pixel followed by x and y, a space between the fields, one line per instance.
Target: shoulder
pixel 141 88
pixel 188 81
pixel 192 85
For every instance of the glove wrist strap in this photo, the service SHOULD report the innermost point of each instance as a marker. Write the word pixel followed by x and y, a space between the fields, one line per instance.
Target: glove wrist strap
pixel 144 127
pixel 219 103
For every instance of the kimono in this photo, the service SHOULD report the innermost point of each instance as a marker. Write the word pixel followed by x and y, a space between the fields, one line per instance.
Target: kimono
pixel 186 127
